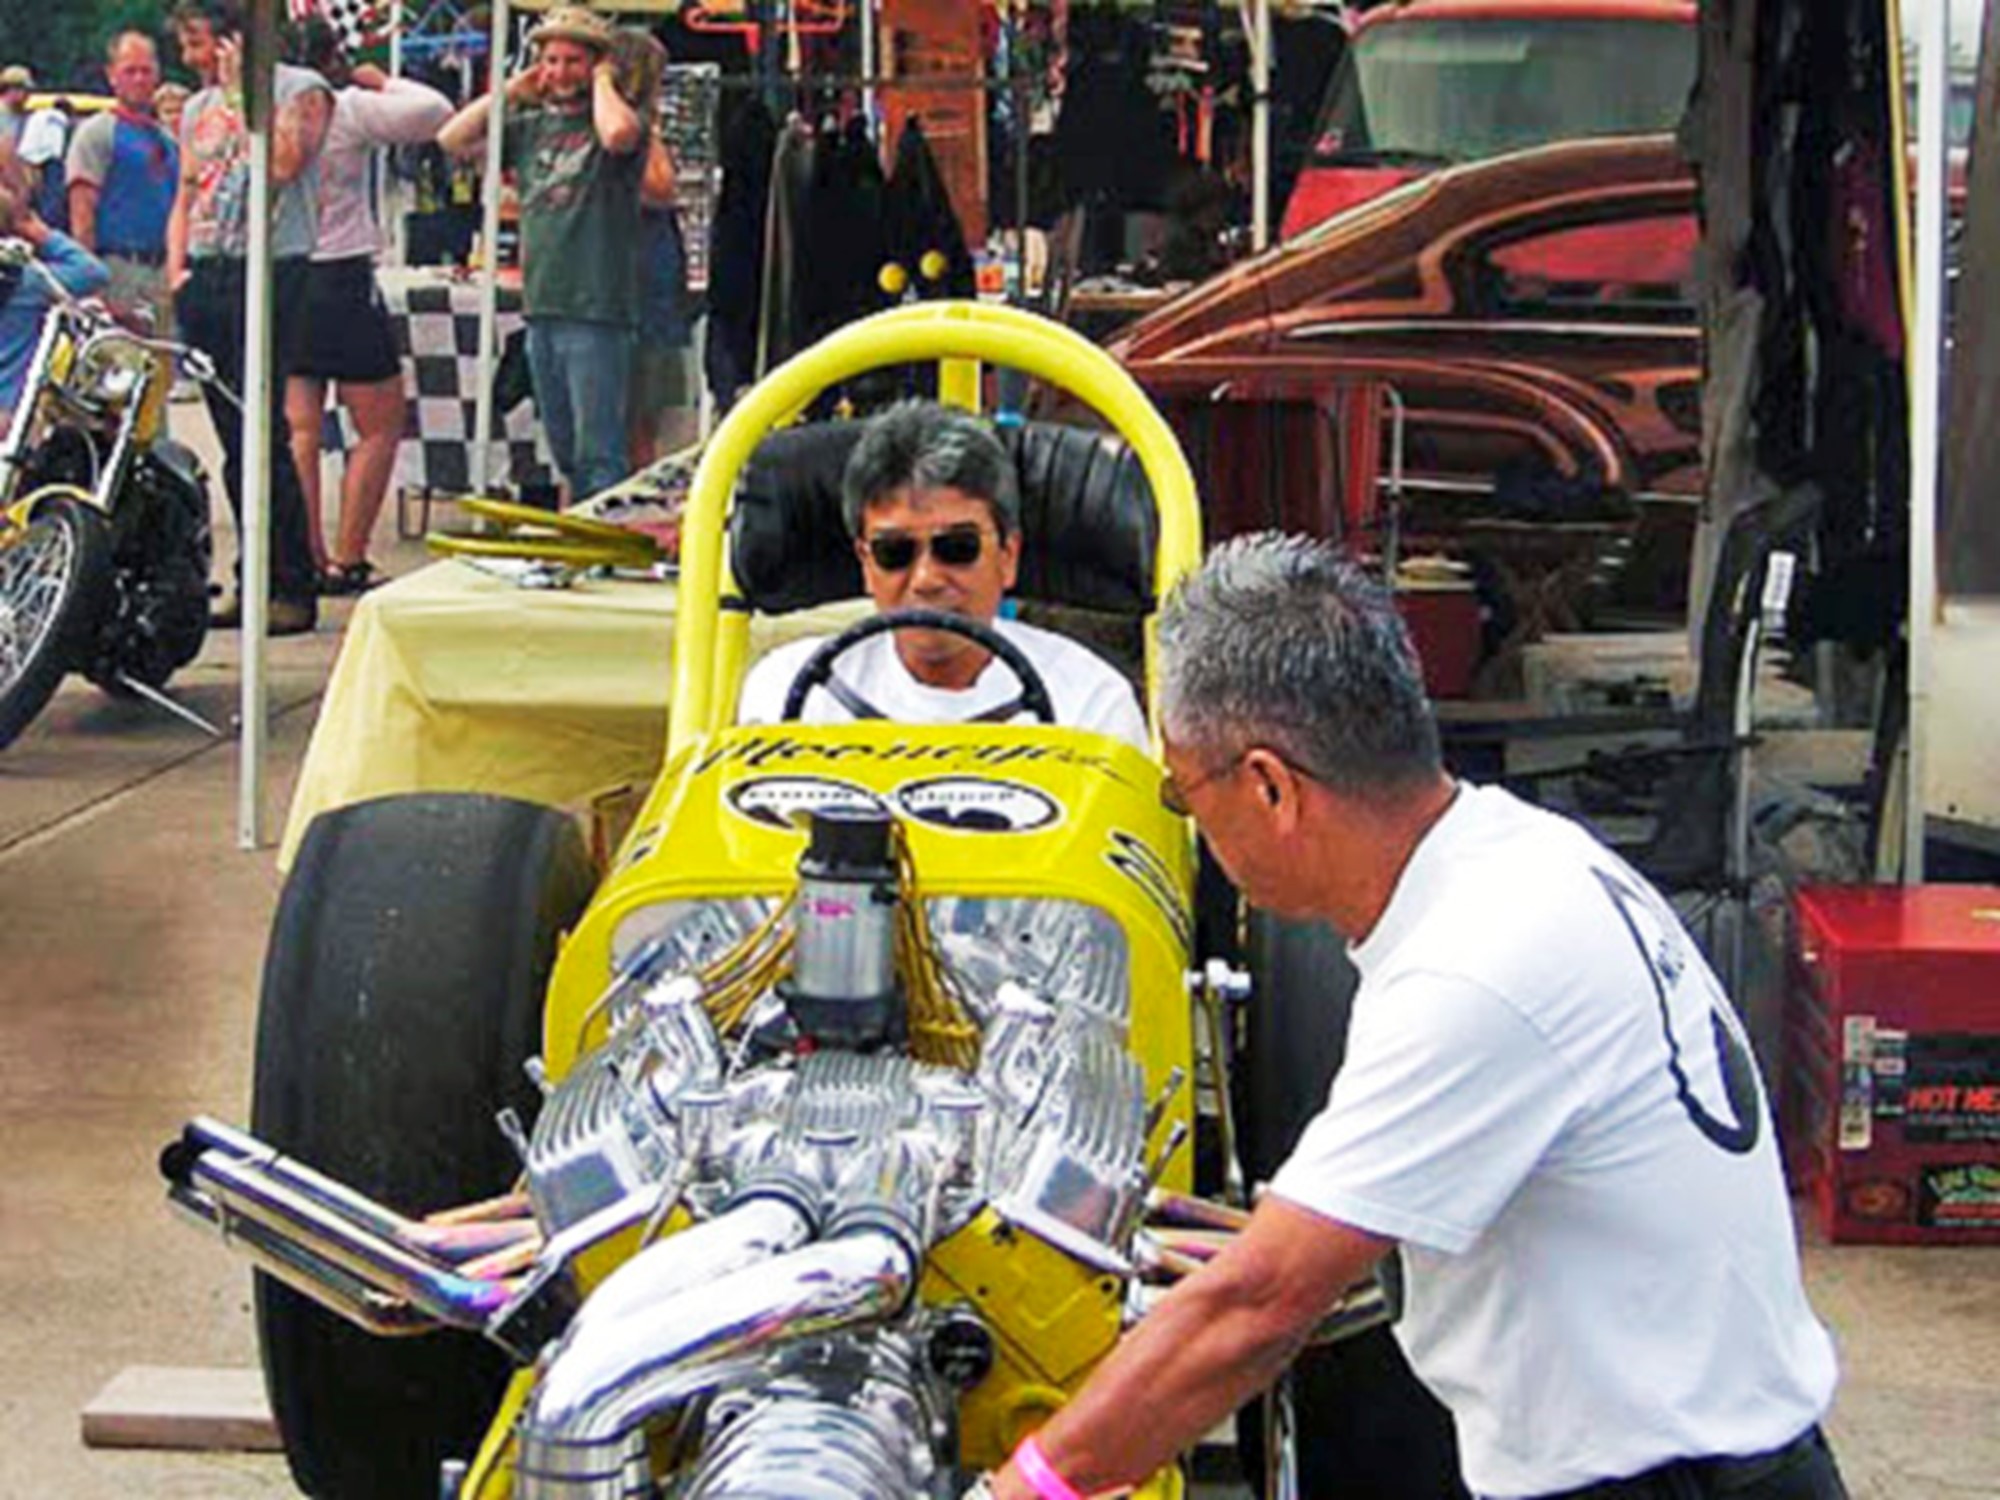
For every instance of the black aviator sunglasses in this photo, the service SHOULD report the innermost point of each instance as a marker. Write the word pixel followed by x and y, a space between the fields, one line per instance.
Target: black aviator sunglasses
pixel 953 547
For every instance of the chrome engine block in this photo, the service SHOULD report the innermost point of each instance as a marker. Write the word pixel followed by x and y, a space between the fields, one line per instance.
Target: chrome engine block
pixel 817 1183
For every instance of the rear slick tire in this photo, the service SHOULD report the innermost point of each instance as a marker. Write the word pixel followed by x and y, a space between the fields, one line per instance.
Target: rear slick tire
pixel 402 993
pixel 53 584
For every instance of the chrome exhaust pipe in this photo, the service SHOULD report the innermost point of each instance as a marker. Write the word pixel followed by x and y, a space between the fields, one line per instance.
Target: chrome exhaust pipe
pixel 397 1277
pixel 651 1339
pixel 319 1236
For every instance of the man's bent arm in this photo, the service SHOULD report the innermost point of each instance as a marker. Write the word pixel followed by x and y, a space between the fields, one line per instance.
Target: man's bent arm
pixel 298 133
pixel 1215 1341
pixel 177 238
pixel 465 132
pixel 656 187
pixel 616 122
pixel 83 214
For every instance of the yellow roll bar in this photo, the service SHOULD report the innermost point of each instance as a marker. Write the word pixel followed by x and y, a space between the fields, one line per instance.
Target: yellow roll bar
pixel 709 650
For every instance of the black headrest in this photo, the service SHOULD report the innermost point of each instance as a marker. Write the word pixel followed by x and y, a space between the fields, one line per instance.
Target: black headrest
pixel 1088 524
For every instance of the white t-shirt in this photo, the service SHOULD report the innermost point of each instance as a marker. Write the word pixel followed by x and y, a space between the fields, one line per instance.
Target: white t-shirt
pixel 1601 1268
pixel 1086 692
pixel 44 138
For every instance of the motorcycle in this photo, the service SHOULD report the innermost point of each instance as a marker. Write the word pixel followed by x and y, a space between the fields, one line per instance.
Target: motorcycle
pixel 104 532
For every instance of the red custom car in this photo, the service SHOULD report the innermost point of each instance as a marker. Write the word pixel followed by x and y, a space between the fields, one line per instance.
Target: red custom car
pixel 1470 310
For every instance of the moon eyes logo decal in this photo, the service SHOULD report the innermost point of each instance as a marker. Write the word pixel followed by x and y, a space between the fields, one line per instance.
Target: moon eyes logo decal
pixel 959 804
pixel 975 804
pixel 782 801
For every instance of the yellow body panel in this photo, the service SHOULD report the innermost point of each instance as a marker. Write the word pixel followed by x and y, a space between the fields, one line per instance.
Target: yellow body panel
pixel 1099 837
pixel 491 1476
pixel 1052 1320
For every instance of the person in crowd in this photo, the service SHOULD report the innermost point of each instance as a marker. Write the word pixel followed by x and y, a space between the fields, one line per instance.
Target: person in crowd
pixel 1547 1101
pixel 662 395
pixel 44 143
pixel 124 169
pixel 169 100
pixel 15 82
pixel 579 152
pixel 663 375
pixel 207 241
pixel 350 341
pixel 932 502
pixel 24 297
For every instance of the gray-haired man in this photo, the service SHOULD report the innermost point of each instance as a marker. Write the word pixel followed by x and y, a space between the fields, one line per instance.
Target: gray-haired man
pixel 1546 1101
pixel 932 503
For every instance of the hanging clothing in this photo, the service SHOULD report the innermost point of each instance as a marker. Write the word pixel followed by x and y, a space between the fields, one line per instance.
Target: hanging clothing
pixel 917 218
pixel 844 228
pixel 736 249
pixel 1113 140
pixel 781 330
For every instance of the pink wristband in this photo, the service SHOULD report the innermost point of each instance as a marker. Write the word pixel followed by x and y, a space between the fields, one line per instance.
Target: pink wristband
pixel 1041 1474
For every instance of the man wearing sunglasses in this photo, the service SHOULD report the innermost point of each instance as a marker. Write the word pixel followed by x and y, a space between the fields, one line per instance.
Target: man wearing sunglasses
pixel 1546 1101
pixel 931 500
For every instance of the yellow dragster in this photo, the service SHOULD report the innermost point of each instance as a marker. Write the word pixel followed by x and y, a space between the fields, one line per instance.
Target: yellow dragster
pixel 843 1122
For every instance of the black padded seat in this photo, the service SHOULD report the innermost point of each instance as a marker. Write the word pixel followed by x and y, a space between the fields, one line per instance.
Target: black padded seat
pixel 1089 527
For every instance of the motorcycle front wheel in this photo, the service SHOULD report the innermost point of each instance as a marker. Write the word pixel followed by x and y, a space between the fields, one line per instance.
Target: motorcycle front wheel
pixel 53 582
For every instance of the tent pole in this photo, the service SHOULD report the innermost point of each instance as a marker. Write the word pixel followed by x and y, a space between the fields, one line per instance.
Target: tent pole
pixel 1258 21
pixel 869 66
pixel 489 261
pixel 254 536
pixel 1926 416
pixel 388 193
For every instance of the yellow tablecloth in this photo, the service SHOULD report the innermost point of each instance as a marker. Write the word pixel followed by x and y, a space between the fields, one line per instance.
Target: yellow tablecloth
pixel 454 680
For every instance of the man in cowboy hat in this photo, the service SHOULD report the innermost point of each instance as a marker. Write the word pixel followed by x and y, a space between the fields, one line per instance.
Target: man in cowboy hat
pixel 578 151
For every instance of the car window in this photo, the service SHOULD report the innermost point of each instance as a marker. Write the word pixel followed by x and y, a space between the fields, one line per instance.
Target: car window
pixel 1463 90
pixel 1638 267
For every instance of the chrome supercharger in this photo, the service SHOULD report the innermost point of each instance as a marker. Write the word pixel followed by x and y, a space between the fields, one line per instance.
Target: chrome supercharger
pixel 842 991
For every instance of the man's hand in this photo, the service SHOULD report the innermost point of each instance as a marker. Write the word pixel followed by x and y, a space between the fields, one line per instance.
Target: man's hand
pixel 617 123
pixel 298 134
pixel 1216 1340
pixel 30 227
pixel 526 87
pixel 229 66
pixel 368 76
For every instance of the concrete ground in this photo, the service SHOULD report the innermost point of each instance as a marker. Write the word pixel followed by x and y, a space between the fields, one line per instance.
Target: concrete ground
pixel 131 934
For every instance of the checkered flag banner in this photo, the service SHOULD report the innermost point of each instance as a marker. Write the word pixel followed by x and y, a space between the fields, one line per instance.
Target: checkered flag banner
pixel 361 24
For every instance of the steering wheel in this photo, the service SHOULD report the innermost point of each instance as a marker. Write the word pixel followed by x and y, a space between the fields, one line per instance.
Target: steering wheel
pixel 818 670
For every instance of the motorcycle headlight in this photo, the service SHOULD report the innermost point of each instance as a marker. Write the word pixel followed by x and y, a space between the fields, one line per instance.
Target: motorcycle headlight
pixel 110 372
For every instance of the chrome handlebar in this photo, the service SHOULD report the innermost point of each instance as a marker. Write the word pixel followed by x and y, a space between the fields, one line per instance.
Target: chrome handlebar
pixel 192 362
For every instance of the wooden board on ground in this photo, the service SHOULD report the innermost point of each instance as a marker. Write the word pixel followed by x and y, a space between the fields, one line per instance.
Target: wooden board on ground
pixel 154 1406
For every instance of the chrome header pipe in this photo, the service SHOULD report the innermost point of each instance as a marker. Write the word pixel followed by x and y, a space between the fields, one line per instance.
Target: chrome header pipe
pixel 630 1357
pixel 383 1272
pixel 264 1209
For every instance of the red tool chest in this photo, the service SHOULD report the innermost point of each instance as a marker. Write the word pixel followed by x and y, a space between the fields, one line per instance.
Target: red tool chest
pixel 1890 1101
